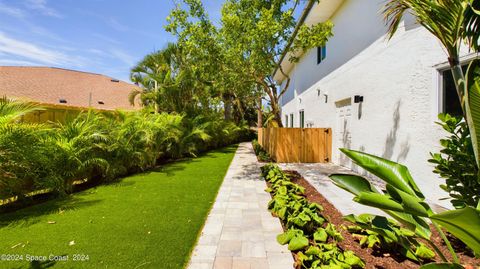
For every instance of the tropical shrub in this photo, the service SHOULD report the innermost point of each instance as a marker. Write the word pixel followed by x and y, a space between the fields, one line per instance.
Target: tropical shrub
pixel 262 155
pixel 456 163
pixel 98 146
pixel 381 233
pixel 404 201
pixel 308 231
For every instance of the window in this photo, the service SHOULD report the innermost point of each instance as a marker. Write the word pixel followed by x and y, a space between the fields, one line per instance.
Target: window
pixel 321 54
pixel 450 101
pixel 286 120
pixel 302 119
pixel 291 120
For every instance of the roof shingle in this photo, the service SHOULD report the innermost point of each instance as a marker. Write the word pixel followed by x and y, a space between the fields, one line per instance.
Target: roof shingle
pixel 47 85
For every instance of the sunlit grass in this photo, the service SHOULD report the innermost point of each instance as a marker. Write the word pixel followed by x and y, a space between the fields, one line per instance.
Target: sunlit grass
pixel 150 220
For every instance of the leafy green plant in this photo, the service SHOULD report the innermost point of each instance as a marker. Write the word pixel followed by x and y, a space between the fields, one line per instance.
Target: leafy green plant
pixel 262 155
pixel 98 146
pixel 456 163
pixel 403 200
pixel 386 234
pixel 308 231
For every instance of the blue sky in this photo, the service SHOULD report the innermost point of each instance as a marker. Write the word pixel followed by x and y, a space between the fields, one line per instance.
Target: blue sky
pixel 100 36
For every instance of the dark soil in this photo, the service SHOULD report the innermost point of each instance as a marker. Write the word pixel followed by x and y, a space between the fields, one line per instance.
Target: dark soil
pixel 375 258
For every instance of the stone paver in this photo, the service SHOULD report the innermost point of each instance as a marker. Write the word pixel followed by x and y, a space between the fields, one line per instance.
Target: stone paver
pixel 240 232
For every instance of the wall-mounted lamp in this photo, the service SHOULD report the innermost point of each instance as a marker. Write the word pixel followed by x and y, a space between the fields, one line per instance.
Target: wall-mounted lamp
pixel 325 94
pixel 318 92
pixel 62 101
pixel 358 99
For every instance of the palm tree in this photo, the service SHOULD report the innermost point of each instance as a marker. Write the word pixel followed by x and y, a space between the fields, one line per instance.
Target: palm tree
pixel 452 22
pixel 156 73
pixel 11 110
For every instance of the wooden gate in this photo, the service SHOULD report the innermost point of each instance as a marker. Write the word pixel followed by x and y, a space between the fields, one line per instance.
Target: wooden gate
pixel 297 145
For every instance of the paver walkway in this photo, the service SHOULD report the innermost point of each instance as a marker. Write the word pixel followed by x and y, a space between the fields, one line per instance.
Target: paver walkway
pixel 240 232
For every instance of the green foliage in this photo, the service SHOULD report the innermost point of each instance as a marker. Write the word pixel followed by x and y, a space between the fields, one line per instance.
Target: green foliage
pixel 308 231
pixel 238 56
pixel 101 147
pixel 406 205
pixel 456 163
pixel 162 210
pixel 262 155
pixel 386 234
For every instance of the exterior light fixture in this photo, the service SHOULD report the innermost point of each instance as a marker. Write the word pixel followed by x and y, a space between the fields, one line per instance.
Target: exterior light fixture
pixel 358 99
pixel 101 103
pixel 325 94
pixel 62 101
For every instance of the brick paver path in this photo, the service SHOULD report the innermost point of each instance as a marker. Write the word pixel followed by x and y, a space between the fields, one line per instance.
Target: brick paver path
pixel 240 232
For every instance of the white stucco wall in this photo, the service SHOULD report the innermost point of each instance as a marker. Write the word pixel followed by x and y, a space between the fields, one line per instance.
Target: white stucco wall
pixel 397 79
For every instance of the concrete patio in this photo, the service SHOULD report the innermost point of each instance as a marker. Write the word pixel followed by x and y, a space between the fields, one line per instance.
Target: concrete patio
pixel 240 232
pixel 317 175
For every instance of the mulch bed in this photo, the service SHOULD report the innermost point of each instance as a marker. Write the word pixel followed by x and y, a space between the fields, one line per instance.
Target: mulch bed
pixel 375 258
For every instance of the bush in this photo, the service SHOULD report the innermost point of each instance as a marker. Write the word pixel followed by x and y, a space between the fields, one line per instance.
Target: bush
pixel 101 147
pixel 456 163
pixel 262 155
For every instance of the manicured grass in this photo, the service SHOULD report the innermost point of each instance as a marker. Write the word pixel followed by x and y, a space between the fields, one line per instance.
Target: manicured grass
pixel 150 220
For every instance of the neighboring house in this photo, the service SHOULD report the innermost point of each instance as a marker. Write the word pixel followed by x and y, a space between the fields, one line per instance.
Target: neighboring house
pixel 63 92
pixel 404 84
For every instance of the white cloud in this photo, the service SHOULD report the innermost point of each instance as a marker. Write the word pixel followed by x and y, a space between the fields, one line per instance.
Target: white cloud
pixel 115 24
pixel 41 6
pixel 16 62
pixel 123 57
pixel 31 52
pixel 11 11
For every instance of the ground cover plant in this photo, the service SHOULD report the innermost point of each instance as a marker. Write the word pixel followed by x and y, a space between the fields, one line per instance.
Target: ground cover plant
pixel 308 233
pixel 98 147
pixel 262 154
pixel 149 220
pixel 385 234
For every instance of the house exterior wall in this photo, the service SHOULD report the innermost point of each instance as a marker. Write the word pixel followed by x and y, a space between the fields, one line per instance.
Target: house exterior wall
pixel 399 82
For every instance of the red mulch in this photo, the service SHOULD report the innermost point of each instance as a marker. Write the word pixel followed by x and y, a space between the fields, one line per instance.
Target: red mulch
pixel 374 258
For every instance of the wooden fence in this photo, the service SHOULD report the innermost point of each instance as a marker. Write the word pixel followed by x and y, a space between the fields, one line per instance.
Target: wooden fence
pixel 297 145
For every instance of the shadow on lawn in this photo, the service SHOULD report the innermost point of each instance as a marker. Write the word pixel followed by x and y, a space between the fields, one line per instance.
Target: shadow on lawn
pixel 29 216
pixel 170 168
pixel 39 265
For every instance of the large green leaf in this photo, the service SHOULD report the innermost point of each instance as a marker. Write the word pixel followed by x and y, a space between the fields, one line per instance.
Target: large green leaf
pixel 472 105
pixel 393 173
pixel 297 243
pixel 463 224
pixel 442 266
pixel 352 183
pixel 411 204
pixel 379 201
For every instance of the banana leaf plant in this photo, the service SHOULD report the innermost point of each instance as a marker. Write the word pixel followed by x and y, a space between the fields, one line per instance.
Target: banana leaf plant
pixel 403 200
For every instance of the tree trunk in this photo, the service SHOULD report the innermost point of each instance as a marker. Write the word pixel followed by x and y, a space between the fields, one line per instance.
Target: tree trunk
pixel 260 115
pixel 227 107
pixel 460 84
pixel 277 115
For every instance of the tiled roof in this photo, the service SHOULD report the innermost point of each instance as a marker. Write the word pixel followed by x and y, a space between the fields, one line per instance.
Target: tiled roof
pixel 48 85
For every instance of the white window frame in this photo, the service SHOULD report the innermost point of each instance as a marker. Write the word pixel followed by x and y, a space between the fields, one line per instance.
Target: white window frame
pixel 438 83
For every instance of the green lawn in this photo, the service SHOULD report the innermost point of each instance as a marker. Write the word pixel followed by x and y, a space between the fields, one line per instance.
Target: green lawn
pixel 149 220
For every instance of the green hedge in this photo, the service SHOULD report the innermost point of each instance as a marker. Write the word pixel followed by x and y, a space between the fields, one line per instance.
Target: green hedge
pixel 101 147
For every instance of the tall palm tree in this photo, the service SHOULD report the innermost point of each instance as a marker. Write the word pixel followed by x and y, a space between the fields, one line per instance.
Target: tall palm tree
pixel 156 73
pixel 452 22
